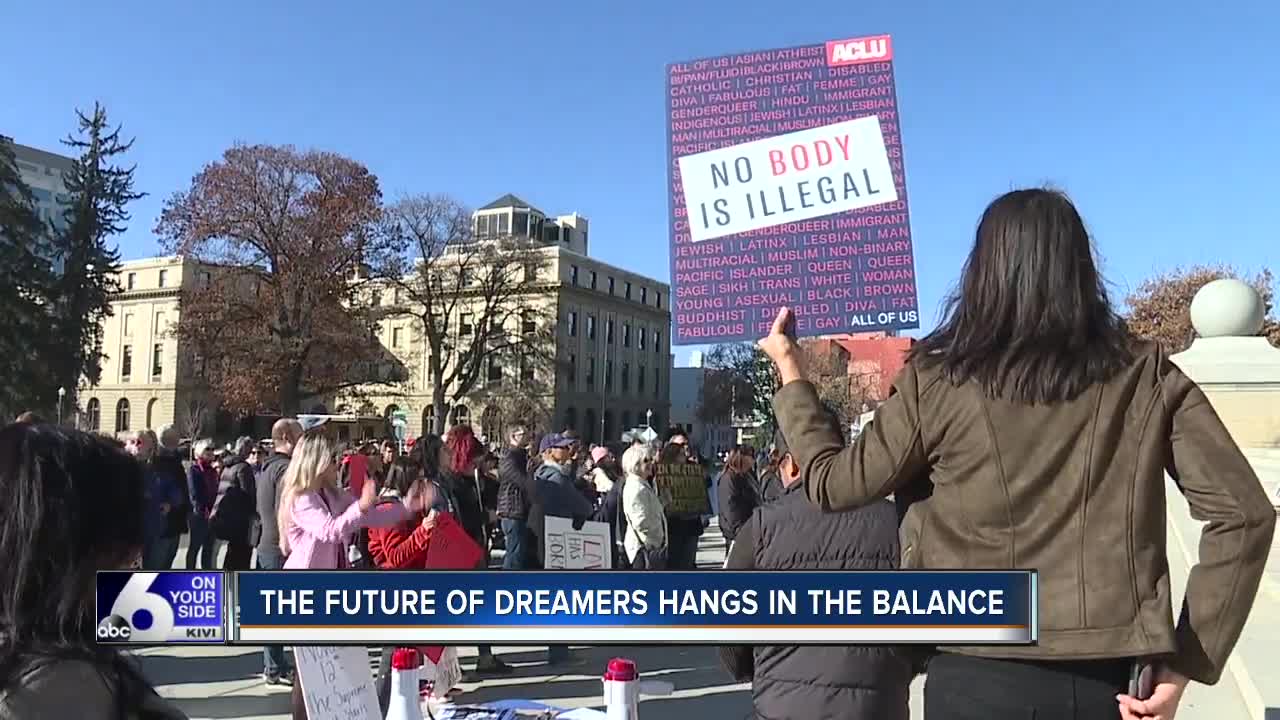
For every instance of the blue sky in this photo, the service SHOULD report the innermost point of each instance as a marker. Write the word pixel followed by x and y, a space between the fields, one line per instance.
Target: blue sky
pixel 1159 118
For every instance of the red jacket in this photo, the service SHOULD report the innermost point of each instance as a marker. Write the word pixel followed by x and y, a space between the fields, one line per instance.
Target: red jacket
pixel 403 547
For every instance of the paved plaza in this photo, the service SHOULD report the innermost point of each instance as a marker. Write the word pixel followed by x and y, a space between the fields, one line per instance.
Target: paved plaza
pixel 225 682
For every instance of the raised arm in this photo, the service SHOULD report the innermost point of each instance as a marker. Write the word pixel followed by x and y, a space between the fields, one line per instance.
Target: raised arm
pixel 885 456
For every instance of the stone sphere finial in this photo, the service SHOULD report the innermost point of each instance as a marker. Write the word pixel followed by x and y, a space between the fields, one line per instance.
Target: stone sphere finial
pixel 1227 308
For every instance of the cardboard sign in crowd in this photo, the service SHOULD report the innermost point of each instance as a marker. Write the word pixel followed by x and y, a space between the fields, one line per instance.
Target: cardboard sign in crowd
pixel 682 487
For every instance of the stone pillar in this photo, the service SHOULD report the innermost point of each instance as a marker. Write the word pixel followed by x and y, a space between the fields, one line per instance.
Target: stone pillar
pixel 1238 371
pixel 1240 374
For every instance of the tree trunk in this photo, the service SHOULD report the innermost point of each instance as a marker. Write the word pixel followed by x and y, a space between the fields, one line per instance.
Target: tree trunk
pixel 291 392
pixel 438 407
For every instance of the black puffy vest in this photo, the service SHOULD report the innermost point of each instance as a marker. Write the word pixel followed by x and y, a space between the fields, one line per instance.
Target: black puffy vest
pixel 819 682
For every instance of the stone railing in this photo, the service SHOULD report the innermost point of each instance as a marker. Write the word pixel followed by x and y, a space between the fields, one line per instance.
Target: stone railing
pixel 1240 374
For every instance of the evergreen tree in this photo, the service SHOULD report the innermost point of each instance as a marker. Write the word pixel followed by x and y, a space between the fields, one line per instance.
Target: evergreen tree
pixel 25 381
pixel 98 192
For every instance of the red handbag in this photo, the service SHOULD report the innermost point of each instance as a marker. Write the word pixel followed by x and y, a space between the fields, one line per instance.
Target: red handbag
pixel 450 547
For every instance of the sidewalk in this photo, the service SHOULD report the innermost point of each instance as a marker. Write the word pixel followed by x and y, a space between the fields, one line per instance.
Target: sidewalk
pixel 225 682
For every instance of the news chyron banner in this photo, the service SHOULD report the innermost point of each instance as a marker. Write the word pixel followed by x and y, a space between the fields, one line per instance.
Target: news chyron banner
pixel 174 607
pixel 787 188
pixel 605 607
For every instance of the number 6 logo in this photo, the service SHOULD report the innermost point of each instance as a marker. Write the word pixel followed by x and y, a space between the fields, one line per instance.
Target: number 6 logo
pixel 135 596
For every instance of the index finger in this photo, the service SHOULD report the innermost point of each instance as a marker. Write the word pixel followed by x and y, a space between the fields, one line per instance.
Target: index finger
pixel 780 323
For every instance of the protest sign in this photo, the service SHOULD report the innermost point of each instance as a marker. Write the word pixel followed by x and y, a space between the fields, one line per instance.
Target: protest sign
pixel 788 188
pixel 337 683
pixel 682 487
pixel 564 548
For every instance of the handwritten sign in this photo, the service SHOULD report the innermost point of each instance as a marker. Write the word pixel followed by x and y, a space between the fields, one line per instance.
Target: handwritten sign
pixel 682 488
pixel 569 549
pixel 337 683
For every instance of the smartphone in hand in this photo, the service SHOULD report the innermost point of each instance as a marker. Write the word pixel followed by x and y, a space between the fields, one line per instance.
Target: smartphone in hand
pixel 1142 680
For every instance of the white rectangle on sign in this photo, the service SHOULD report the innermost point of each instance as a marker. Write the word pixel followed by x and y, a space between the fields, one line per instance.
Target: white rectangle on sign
pixel 786 178
pixel 564 548
pixel 337 683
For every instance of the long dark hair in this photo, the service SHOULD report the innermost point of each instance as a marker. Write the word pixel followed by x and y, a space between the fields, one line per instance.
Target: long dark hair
pixel 401 476
pixel 73 504
pixel 1030 320
pixel 426 455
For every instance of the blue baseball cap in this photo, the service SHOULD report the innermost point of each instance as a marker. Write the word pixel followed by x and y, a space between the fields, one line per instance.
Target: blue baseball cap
pixel 555 440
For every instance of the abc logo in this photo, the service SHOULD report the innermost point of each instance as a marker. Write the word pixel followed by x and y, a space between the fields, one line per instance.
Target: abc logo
pixel 114 628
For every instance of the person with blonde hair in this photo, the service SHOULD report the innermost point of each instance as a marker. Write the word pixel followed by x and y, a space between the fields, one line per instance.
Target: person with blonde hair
pixel 316 519
pixel 646 522
pixel 160 497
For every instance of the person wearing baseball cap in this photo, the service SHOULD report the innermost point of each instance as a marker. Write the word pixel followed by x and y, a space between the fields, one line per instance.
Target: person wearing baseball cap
pixel 557 496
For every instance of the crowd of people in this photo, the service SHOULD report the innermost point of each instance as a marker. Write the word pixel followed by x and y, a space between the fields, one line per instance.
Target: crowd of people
pixel 1030 430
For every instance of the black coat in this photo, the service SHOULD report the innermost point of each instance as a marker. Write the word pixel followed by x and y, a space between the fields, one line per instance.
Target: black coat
pixel 235 513
pixel 852 681
pixel 515 484
pixel 737 497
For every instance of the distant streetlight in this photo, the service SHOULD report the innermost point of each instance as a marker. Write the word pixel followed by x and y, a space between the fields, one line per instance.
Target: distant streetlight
pixel 648 419
pixel 62 392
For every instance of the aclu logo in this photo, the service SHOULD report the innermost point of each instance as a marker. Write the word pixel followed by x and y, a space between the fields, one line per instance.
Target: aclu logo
pixel 860 50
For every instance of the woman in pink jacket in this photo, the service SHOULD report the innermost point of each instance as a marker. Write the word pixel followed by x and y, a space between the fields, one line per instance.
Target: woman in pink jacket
pixel 317 520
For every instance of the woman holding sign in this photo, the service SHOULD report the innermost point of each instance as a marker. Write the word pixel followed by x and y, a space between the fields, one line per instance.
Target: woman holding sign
pixel 1046 429
pixel 317 519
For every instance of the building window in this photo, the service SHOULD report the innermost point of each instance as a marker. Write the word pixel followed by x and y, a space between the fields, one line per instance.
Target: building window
pixel 627 290
pixel 657 299
pixel 504 224
pixel 126 363
pixel 395 296
pixel 608 375
pixel 205 277
pixel 157 360
pixel 461 415
pixel 128 324
pixel 573 369
pixel 573 274
pixel 464 278
pixel 591 373
pixel 640 379
pixel 573 323
pixel 657 341
pixel 610 285
pixel 93 414
pixel 131 281
pixel 161 325
pixel 594 279
pixel 494 375
pixel 164 277
pixel 465 326
pixel 626 377
pixel 608 331
pixel 526 369
pixel 640 338
pixel 530 272
pixel 527 324
pixel 122 415
pixel 571 419
pixel 395 337
pixel 375 297
pixel 644 296
pixel 151 412
pixel 591 327
pixel 626 334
